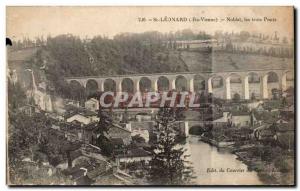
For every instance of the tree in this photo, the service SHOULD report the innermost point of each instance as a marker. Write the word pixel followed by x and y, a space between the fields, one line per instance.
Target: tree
pixel 168 165
pixel 104 124
pixel 179 113
pixel 244 35
pixel 23 139
pixel 16 96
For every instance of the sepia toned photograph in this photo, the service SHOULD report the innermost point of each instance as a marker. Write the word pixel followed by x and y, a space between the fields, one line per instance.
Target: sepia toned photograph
pixel 150 96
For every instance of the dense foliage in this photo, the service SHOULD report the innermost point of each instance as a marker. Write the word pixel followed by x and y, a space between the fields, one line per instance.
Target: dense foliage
pixel 168 165
pixel 68 55
pixel 102 130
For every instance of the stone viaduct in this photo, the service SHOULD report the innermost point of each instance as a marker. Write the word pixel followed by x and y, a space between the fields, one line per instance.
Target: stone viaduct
pixel 189 80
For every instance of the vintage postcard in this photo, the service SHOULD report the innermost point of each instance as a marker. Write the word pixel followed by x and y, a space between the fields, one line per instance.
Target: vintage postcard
pixel 185 96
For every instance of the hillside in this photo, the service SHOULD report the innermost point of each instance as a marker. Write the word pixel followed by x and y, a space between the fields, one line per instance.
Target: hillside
pixel 66 55
pixel 222 61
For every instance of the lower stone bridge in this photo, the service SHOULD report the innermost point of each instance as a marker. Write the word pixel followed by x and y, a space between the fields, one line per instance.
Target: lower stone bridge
pixel 186 126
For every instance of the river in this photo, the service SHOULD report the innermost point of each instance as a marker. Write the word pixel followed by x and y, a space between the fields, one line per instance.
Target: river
pixel 209 164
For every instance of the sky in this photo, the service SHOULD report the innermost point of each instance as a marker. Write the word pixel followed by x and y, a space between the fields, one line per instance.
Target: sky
pixel 108 21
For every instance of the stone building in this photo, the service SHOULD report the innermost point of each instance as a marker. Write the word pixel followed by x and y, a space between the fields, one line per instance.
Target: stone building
pixel 92 104
pixel 116 131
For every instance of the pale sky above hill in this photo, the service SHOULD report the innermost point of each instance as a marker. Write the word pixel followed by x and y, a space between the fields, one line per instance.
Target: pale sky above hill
pixel 109 21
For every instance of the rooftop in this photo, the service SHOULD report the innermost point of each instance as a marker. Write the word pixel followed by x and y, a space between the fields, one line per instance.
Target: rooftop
pixel 137 152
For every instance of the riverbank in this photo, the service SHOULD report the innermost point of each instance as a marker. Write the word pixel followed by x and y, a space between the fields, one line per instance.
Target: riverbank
pixel 228 145
pixel 269 162
pixel 272 171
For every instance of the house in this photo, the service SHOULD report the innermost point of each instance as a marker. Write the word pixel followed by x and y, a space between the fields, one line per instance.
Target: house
pixel 88 157
pixel 224 119
pixel 92 104
pixel 148 125
pixel 83 118
pixel 89 135
pixel 134 155
pixel 114 176
pixel 260 108
pixel 266 135
pixel 55 116
pixel 240 119
pixel 143 117
pixel 79 118
pixel 142 133
pixel 87 169
pixel 73 132
pixel 116 131
pixel 253 104
pixel 78 174
pixel 126 125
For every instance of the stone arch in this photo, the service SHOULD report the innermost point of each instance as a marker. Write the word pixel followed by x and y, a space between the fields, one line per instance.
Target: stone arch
pixel 254 85
pixel 273 83
pixel 110 85
pixel 75 83
pixel 145 84
pixel 127 85
pixel 272 77
pixel 217 86
pixel 196 130
pixel 91 87
pixel 199 83
pixel 163 83
pixel 76 90
pixel 236 86
pixel 181 83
